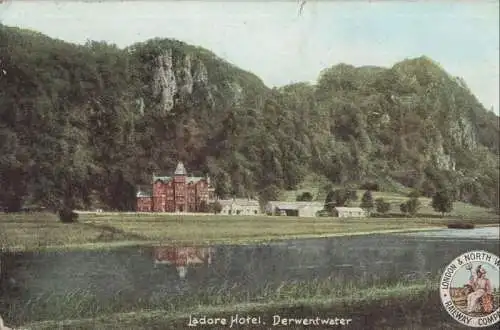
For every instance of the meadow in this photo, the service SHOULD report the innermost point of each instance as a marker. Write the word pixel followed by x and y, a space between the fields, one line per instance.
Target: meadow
pixel 314 184
pixel 401 305
pixel 77 310
pixel 39 231
pixel 42 231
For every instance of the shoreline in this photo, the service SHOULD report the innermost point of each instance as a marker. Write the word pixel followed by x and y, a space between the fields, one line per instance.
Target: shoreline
pixel 363 296
pixel 221 241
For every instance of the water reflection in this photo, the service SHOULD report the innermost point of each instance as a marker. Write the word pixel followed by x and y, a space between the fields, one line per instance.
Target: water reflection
pixel 153 275
pixel 489 233
pixel 182 257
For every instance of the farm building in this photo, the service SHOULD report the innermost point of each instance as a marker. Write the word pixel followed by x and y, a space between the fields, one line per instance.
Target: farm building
pixel 349 212
pixel 297 209
pixel 239 207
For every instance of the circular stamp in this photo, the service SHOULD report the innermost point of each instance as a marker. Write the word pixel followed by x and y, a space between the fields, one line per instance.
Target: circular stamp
pixel 470 289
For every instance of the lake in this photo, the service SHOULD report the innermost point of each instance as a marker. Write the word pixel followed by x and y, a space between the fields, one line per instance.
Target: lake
pixel 153 273
pixel 492 233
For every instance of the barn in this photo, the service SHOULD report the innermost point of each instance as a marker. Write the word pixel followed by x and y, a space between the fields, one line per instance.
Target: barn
pixel 349 212
pixel 295 209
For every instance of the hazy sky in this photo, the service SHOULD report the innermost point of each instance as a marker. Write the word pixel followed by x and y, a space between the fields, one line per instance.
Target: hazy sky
pixel 273 41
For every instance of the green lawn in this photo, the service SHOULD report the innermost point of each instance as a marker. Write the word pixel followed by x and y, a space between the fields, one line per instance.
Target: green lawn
pixel 313 185
pixel 42 231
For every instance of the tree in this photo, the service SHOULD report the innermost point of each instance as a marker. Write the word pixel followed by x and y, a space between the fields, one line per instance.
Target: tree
pixel 382 206
pixel 412 206
pixel 373 186
pixel 442 202
pixel 96 120
pixel 269 193
pixel 204 208
pixel 305 197
pixel 404 208
pixel 216 207
pixel 339 198
pixel 427 188
pixel 330 201
pixel 342 197
pixel 367 201
pixel 353 195
pixel 414 194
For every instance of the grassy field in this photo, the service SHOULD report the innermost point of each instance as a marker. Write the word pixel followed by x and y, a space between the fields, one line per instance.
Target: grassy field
pixel 400 306
pixel 79 311
pixel 24 232
pixel 313 185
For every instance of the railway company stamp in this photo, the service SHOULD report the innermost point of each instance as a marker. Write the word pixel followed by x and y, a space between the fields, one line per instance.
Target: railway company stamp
pixel 469 289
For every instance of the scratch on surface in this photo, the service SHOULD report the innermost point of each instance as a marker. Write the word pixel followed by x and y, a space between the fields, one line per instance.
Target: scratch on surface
pixel 301 6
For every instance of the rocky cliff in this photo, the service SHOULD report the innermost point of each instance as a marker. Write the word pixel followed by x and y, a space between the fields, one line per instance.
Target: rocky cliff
pixel 85 124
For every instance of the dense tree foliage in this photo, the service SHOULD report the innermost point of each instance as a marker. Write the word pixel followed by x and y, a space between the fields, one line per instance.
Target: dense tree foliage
pixel 339 198
pixel 83 125
pixel 367 201
pixel 305 197
pixel 215 207
pixel 411 206
pixel 382 206
pixel 442 202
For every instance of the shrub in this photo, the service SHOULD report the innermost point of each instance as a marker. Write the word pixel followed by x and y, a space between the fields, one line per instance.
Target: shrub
pixel 413 205
pixel 414 194
pixel 305 197
pixel 340 197
pixel 67 215
pixel 382 206
pixel 404 208
pixel 367 201
pixel 373 186
pixel 215 207
pixel 460 225
pixel 204 207
pixel 353 195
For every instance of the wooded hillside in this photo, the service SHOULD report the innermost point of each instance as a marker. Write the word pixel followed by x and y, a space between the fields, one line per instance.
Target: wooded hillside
pixel 84 125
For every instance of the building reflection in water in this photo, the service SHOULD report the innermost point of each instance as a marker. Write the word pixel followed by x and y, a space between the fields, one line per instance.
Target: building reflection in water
pixel 182 257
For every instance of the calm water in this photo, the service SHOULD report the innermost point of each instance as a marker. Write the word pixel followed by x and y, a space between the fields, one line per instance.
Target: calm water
pixel 132 273
pixel 492 233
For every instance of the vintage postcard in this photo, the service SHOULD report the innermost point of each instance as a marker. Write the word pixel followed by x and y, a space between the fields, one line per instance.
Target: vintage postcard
pixel 249 164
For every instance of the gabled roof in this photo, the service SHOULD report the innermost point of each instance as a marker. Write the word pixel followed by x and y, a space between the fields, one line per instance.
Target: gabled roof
pixel 144 191
pixel 239 202
pixel 194 179
pixel 293 205
pixel 180 169
pixel 347 209
pixel 163 179
pixel 142 194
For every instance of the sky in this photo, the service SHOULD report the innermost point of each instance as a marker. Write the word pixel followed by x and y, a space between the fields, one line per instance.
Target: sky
pixel 281 46
pixel 462 275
